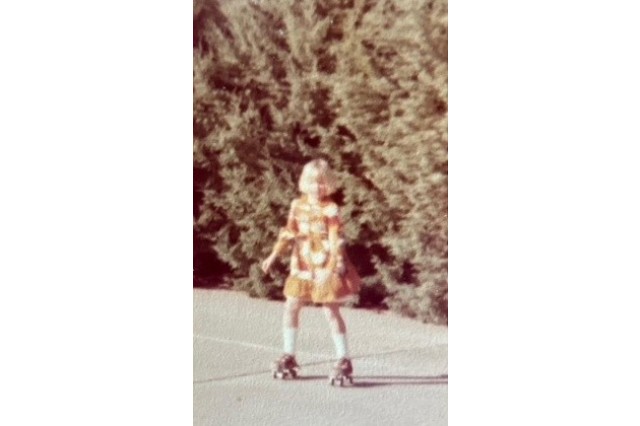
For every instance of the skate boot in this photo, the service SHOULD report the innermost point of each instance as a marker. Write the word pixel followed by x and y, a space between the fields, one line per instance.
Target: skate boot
pixel 285 366
pixel 342 371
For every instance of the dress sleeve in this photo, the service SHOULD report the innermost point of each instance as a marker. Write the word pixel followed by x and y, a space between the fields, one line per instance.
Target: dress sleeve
pixel 332 214
pixel 288 233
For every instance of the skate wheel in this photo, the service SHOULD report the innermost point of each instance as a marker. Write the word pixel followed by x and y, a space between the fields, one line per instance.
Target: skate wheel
pixel 332 381
pixel 275 375
pixel 341 382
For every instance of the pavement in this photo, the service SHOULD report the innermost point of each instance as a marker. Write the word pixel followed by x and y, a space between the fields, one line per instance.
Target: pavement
pixel 400 367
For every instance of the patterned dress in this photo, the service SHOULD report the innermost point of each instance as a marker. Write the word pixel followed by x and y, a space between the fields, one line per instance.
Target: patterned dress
pixel 320 270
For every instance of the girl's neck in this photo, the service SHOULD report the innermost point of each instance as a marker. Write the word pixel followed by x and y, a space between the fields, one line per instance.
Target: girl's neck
pixel 313 200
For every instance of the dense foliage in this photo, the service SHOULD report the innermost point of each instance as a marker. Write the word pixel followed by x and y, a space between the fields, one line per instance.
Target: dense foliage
pixel 361 83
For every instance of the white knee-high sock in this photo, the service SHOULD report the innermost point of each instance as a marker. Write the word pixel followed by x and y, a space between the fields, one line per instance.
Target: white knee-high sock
pixel 289 335
pixel 340 341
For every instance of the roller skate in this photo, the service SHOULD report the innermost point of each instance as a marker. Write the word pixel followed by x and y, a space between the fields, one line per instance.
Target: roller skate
pixel 342 372
pixel 284 367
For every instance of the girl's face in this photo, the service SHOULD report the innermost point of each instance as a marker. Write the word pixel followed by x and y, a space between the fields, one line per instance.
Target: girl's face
pixel 314 182
pixel 316 189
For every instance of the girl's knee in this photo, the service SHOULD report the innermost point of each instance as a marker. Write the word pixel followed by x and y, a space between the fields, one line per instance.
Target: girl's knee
pixel 331 311
pixel 291 312
pixel 292 305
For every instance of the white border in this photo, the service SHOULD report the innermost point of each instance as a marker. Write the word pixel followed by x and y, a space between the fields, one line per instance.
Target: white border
pixel 96 234
pixel 543 216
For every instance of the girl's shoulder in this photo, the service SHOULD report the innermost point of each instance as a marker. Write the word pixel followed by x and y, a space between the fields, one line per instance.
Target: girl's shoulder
pixel 304 203
pixel 297 202
pixel 328 206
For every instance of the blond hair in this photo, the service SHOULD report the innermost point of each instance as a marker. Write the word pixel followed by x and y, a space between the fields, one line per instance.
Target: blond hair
pixel 317 179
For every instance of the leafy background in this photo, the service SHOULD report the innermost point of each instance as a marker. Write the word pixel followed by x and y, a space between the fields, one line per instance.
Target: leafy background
pixel 361 83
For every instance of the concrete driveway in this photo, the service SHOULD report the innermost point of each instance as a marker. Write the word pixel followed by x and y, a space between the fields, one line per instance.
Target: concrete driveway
pixel 400 377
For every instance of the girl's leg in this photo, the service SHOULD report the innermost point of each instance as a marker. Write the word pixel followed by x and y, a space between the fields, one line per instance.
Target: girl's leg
pixel 290 320
pixel 338 329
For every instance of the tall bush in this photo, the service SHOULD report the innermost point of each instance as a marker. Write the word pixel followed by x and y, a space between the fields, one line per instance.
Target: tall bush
pixel 361 83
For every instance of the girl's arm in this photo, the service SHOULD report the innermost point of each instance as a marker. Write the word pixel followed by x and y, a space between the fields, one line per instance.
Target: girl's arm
pixel 285 236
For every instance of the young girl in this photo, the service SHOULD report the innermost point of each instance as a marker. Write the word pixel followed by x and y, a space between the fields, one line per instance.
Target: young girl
pixel 320 271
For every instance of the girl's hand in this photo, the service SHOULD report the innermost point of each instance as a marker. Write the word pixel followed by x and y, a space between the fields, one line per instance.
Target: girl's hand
pixel 266 264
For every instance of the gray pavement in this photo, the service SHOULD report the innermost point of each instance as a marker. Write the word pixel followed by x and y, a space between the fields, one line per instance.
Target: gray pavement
pixel 400 377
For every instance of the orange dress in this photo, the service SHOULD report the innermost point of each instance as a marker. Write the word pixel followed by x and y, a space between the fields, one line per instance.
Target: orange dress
pixel 320 271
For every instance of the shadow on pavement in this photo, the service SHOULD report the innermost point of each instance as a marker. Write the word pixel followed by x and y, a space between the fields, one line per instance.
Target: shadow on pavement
pixel 325 377
pixel 373 381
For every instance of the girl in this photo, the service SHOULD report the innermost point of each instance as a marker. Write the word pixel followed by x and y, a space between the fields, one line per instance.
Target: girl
pixel 320 271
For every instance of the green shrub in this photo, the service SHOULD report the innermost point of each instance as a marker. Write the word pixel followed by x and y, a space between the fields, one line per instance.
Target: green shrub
pixel 360 83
